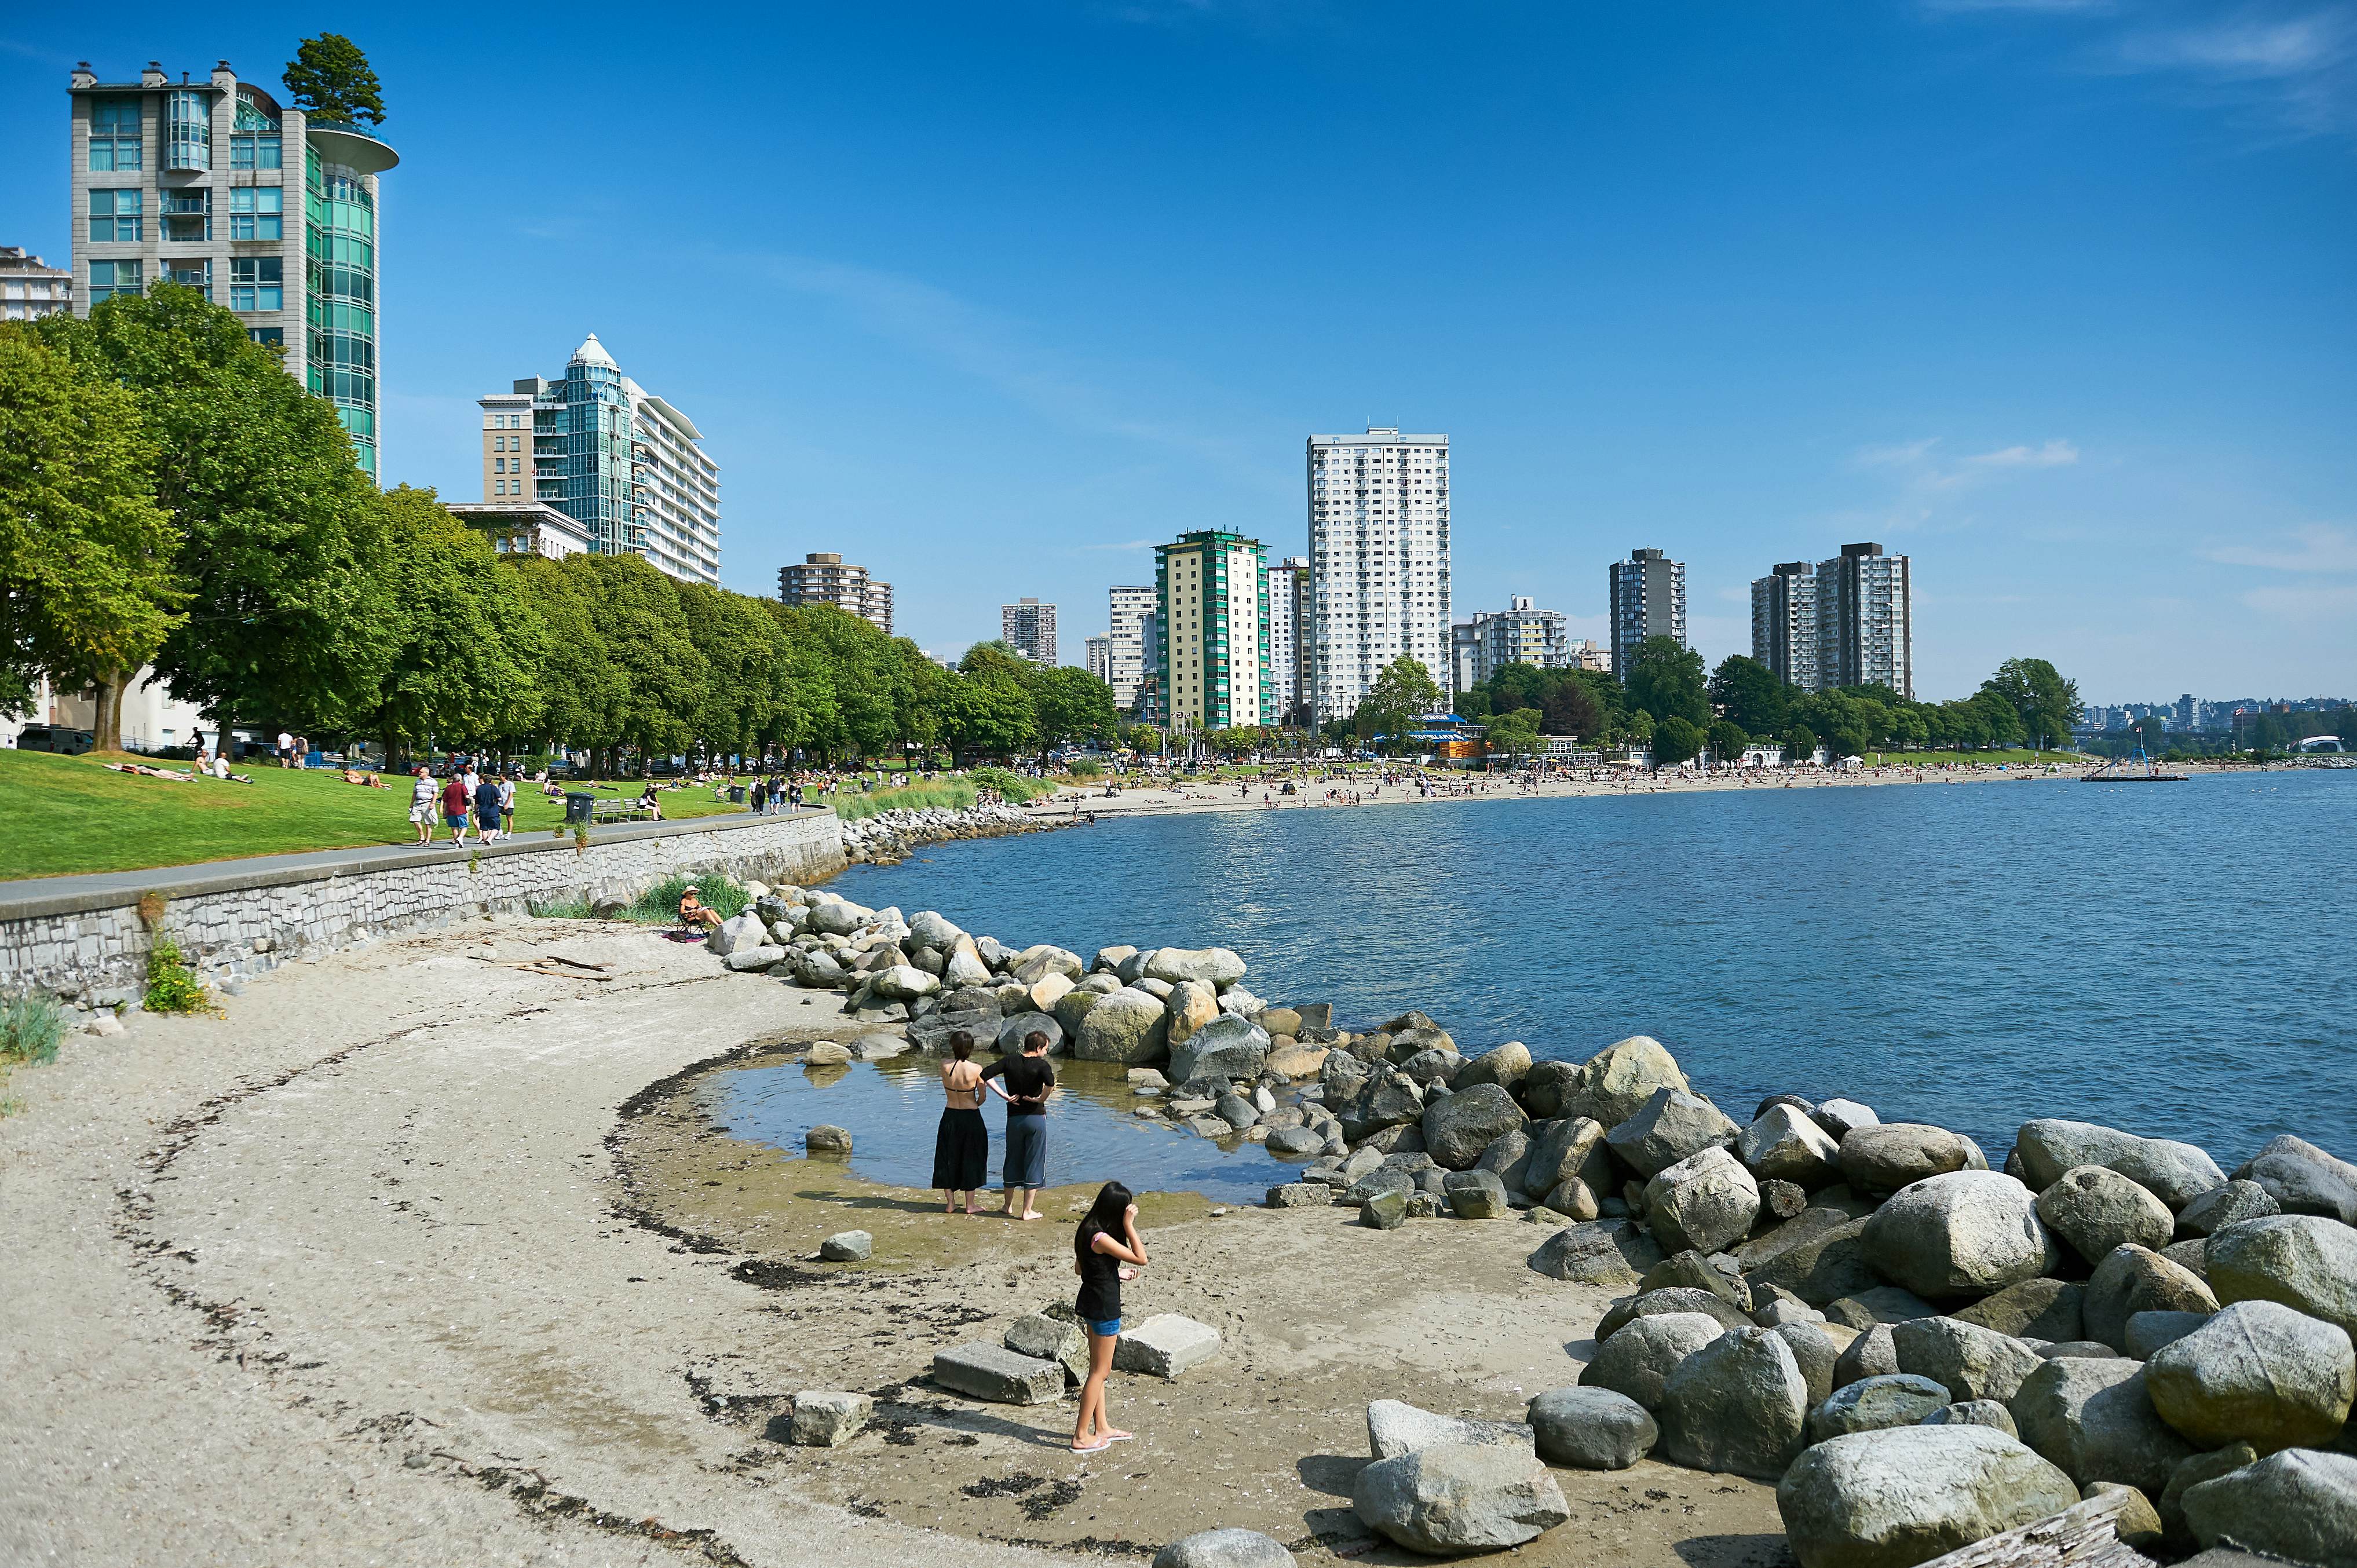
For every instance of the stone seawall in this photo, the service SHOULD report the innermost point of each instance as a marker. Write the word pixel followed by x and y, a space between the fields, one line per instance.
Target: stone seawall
pixel 84 939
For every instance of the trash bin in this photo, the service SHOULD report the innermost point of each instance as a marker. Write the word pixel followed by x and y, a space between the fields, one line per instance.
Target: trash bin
pixel 736 794
pixel 576 806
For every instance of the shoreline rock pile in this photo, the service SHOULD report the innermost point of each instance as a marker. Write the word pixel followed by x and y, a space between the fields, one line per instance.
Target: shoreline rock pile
pixel 887 837
pixel 1921 1350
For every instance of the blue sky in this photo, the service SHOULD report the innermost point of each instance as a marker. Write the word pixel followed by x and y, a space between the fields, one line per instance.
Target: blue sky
pixel 2058 297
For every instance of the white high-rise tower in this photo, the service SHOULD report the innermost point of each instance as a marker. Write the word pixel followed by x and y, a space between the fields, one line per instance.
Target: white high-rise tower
pixel 1379 560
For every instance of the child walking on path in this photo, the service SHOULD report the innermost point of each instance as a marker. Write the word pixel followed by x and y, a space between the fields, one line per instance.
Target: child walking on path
pixel 1106 1240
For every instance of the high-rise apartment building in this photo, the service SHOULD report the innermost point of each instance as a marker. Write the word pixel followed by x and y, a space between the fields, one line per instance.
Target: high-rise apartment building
pixel 260 207
pixel 1288 592
pixel 31 288
pixel 621 462
pixel 1866 625
pixel 823 577
pixel 1132 651
pixel 1518 634
pixel 1379 560
pixel 1648 599
pixel 1028 626
pixel 1785 623
pixel 1096 657
pixel 1213 593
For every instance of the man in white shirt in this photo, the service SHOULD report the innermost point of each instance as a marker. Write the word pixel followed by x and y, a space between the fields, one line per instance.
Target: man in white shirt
pixel 286 749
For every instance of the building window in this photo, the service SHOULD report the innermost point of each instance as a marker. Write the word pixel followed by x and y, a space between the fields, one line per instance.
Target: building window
pixel 257 283
pixel 257 213
pixel 109 278
pixel 114 135
pixel 188 217
pixel 114 215
pixel 197 273
pixel 268 337
pixel 253 142
pixel 188 130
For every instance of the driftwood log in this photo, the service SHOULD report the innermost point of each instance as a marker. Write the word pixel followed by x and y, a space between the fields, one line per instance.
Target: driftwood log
pixel 2084 1535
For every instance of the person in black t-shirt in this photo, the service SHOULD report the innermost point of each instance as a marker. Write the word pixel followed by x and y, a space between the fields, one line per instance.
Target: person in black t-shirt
pixel 1106 1239
pixel 1029 1081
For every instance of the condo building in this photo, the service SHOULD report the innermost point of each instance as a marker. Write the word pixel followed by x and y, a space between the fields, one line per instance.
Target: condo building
pixel 1214 591
pixel 1648 599
pixel 1130 655
pixel 1519 634
pixel 1866 625
pixel 215 185
pixel 1287 593
pixel 1096 657
pixel 823 577
pixel 1785 623
pixel 621 462
pixel 1379 560
pixel 31 288
pixel 1028 626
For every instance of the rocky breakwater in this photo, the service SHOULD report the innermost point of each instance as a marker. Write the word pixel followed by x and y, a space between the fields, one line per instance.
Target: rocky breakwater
pixel 887 837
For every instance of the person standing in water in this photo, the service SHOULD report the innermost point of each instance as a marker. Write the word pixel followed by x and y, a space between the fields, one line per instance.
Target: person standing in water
pixel 1106 1240
pixel 961 1147
pixel 1030 1081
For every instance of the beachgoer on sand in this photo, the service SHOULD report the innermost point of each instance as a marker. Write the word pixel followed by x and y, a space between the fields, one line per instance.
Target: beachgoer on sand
pixel 962 1146
pixel 1106 1249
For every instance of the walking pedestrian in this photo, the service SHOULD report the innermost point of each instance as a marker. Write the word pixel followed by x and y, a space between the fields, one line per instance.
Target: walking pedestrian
pixel 286 749
pixel 1107 1240
pixel 421 804
pixel 1028 1081
pixel 962 1146
pixel 454 807
pixel 487 809
pixel 507 805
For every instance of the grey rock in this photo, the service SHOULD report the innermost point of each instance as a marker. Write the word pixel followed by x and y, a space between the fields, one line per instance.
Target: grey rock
pixel 827 1142
pixel 2134 1279
pixel 1459 1128
pixel 1957 1234
pixel 1614 1084
pixel 1378 1181
pixel 1591 1428
pixel 1717 1273
pixel 1829 1263
pixel 1884 1303
pixel 826 1053
pixel 1236 1111
pixel 2258 1373
pixel 1837 1117
pixel 1778 1307
pixel 847 1247
pixel 1508 1157
pixel 1109 960
pixel 1636 1361
pixel 1020 1028
pixel 1215 966
pixel 1882 1159
pixel 1229 1046
pixel 1388 1099
pixel 1876 1404
pixel 1974 1412
pixel 1385 1210
pixel 1296 1141
pixel 1544 1088
pixel 1671 1125
pixel 1739 1405
pixel 1298 1194
pixel 2304 1179
pixel 2238 1200
pixel 748 959
pixel 2095 1420
pixel 904 983
pixel 1706 1201
pixel 1425 1205
pixel 1969 1361
pixel 1165 1345
pixel 1783 1200
pixel 982 1371
pixel 1226 1548
pixel 1453 1498
pixel 1814 1353
pixel 2041 1308
pixel 2191 1473
pixel 1672 1299
pixel 1047 1338
pixel 742 931
pixel 1502 1065
pixel 1895 1498
pixel 2084 1349
pixel 2148 1332
pixel 1873 1354
pixel 1567 1149
pixel 2298 1504
pixel 2304 1260
pixel 826 1419
pixel 1127 1026
pixel 2173 1172
pixel 1395 1427
pixel 1475 1195
pixel 2094 1208
pixel 1785 1144
pixel 1603 1251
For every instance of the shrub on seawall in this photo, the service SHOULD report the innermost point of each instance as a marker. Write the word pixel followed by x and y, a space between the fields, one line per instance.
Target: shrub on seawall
pixel 171 987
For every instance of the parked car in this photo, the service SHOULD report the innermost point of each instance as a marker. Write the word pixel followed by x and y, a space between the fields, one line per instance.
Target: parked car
pixel 55 737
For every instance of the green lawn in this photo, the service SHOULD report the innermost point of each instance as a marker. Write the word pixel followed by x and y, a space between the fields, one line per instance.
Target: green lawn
pixel 69 814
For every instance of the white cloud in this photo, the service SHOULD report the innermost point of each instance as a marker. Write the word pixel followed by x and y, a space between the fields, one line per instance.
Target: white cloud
pixel 2316 548
pixel 1904 454
pixel 2333 602
pixel 2052 454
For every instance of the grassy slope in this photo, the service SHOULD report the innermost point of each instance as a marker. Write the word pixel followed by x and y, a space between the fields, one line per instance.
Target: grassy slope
pixel 69 814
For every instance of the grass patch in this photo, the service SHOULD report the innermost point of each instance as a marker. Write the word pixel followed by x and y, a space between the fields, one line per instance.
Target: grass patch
pixel 1014 789
pixel 69 814
pixel 659 905
pixel 951 795
pixel 30 1028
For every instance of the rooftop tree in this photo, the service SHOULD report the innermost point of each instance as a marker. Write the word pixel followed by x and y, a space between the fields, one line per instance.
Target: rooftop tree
pixel 330 81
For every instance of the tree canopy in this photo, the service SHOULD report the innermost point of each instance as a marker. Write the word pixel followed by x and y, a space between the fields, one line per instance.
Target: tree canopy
pixel 1664 679
pixel 1402 690
pixel 330 80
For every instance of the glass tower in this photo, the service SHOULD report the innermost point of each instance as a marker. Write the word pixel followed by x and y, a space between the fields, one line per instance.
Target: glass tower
pixel 339 262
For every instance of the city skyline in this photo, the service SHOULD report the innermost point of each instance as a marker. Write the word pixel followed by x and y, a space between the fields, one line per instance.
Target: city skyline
pixel 1804 310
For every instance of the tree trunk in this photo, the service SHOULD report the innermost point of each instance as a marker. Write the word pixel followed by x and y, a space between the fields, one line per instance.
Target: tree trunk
pixel 106 728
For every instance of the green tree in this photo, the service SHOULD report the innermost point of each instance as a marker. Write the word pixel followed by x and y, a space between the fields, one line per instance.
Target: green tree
pixel 1514 736
pixel 1726 741
pixel 2044 704
pixel 1571 709
pixel 1748 694
pixel 471 644
pixel 989 712
pixel 331 81
pixel 1675 739
pixel 583 690
pixel 1070 705
pixel 1664 679
pixel 86 588
pixel 1401 691
pixel 1800 744
pixel 646 634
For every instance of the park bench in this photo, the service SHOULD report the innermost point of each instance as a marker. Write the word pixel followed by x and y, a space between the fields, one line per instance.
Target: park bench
pixel 618 811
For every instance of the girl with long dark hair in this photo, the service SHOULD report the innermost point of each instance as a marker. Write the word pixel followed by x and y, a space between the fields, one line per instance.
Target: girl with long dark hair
pixel 961 1147
pixel 1106 1240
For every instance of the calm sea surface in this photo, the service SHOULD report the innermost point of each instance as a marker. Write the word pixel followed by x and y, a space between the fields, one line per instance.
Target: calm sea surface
pixel 2175 960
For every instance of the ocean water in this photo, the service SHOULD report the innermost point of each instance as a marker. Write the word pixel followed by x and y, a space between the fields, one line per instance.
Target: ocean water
pixel 2177 959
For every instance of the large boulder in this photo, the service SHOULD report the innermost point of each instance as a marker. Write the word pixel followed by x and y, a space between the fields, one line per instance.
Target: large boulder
pixel 1873 1354
pixel 1014 1031
pixel 1216 967
pixel 2133 1278
pixel 827 1418
pixel 2175 1173
pixel 1960 1233
pixel 1894 1499
pixel 1454 1498
pixel 1458 1127
pixel 1544 1088
pixel 1475 1195
pixel 1705 1202
pixel 1508 1158
pixel 2094 1208
pixel 1814 1352
pixel 1228 1046
pixel 2303 1261
pixel 1670 1125
pixel 1613 1084
pixel 2238 1200
pixel 1875 1404
pixel 1974 1412
pixel 1569 1148
pixel 1667 1300
pixel 2095 1420
pixel 964 965
pixel 741 931
pixel 2258 1373
pixel 1192 1005
pixel 1602 1252
pixel 2304 1179
pixel 1786 1144
pixel 1969 1361
pixel 1829 1263
pixel 2301 1505
pixel 1502 1065
pixel 2041 1308
pixel 1128 1026
pixel 1591 1428
pixel 1225 1547
pixel 1740 1404
pixel 1395 1427
pixel 1882 1159
pixel 1638 1360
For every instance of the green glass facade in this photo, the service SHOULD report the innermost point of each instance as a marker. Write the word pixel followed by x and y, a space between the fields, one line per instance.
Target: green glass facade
pixel 339 259
pixel 584 421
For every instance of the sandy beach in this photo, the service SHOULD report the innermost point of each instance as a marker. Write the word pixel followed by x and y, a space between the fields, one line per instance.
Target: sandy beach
pixel 417 1257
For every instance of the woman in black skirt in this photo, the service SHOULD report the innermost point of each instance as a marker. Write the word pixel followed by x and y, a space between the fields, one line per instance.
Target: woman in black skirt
pixel 961 1147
